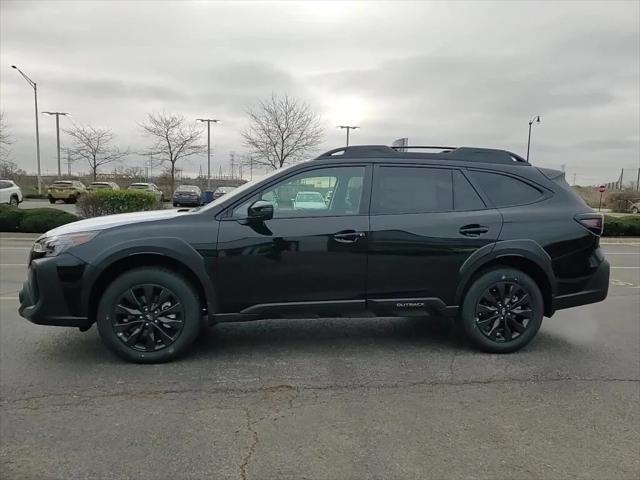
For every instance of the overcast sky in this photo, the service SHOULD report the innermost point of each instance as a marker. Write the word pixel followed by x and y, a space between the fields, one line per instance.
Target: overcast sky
pixel 452 73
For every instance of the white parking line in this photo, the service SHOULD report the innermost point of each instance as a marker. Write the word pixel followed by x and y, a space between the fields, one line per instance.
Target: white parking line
pixel 8 298
pixel 625 268
pixel 13 264
pixel 622 253
pixel 15 248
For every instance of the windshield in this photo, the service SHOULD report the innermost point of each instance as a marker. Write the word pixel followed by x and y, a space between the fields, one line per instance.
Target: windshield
pixel 139 187
pixel 61 183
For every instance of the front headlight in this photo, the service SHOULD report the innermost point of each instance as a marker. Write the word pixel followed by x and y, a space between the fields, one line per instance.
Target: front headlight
pixel 52 246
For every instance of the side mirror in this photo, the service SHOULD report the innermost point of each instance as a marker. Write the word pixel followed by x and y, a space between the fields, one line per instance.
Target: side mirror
pixel 260 211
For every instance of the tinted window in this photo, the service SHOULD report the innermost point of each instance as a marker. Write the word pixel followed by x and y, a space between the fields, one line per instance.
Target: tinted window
pixel 4 184
pixel 316 193
pixel 464 195
pixel 412 190
pixel 503 191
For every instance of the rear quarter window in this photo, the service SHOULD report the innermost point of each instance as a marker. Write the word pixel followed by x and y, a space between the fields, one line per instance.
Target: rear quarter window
pixel 505 191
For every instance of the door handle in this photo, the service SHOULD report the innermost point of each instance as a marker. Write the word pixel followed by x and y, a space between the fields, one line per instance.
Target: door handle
pixel 473 230
pixel 349 236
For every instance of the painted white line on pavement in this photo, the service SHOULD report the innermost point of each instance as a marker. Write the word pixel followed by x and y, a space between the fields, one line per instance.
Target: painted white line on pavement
pixel 622 253
pixel 16 239
pixel 624 244
pixel 8 298
pixel 13 264
pixel 625 268
pixel 15 248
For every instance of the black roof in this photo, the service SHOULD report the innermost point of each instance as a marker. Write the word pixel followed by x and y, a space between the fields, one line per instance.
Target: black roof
pixel 464 154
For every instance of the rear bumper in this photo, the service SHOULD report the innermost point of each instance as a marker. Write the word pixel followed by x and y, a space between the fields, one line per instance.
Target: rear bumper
pixel 43 298
pixel 595 290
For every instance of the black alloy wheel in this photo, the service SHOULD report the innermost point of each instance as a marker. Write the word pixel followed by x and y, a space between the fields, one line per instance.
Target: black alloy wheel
pixel 503 312
pixel 148 317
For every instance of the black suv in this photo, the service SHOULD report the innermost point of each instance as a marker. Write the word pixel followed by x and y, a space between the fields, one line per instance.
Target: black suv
pixel 474 234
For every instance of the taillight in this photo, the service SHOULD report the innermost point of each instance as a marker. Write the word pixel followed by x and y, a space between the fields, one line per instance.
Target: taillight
pixel 594 222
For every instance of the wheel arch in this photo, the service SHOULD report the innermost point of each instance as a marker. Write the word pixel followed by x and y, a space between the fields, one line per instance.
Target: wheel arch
pixel 524 255
pixel 146 259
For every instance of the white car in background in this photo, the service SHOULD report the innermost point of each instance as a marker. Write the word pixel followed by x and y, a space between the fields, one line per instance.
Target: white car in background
pixel 10 192
pixel 309 201
pixel 149 188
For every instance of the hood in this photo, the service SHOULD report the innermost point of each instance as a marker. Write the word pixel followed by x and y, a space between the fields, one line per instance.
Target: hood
pixel 109 221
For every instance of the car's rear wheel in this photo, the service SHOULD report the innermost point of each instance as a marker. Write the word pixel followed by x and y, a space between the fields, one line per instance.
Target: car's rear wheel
pixel 502 310
pixel 635 210
pixel 52 200
pixel 149 315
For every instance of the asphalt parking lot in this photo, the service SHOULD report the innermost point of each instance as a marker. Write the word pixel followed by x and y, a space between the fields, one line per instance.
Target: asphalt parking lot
pixel 327 399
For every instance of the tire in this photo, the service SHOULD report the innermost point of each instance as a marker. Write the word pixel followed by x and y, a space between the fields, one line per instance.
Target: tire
pixel 485 323
pixel 52 200
pixel 13 201
pixel 634 210
pixel 181 295
pixel 176 204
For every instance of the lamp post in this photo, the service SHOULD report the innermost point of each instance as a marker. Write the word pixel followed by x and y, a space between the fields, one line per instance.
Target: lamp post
pixel 347 128
pixel 208 121
pixel 33 85
pixel 57 114
pixel 536 119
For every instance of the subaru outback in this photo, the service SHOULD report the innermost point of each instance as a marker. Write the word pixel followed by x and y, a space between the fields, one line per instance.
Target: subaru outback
pixel 477 235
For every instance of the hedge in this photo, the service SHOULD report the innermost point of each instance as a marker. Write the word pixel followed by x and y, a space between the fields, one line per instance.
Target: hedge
pixel 33 220
pixel 111 202
pixel 622 226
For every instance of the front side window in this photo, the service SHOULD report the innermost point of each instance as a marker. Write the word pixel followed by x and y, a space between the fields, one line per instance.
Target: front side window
pixel 504 191
pixel 399 190
pixel 317 193
pixel 4 185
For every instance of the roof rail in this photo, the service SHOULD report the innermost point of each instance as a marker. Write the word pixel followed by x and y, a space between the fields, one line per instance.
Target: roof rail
pixel 464 154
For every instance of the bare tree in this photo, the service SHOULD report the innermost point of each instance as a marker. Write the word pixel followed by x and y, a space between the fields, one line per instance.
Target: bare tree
pixel 95 145
pixel 5 139
pixel 281 130
pixel 173 139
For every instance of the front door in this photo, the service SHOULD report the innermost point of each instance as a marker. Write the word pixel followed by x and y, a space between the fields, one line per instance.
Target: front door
pixel 425 222
pixel 311 256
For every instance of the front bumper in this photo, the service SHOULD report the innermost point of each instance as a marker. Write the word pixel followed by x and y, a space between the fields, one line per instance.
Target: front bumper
pixel 51 294
pixel 595 290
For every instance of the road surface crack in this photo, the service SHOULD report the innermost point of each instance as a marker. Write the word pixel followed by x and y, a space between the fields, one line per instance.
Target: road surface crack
pixel 252 446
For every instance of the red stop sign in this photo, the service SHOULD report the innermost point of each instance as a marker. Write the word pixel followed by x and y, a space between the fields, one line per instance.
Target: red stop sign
pixel 602 189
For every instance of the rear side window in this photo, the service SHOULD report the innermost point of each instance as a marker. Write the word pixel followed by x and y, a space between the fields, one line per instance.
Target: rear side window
pixel 464 196
pixel 412 190
pixel 504 191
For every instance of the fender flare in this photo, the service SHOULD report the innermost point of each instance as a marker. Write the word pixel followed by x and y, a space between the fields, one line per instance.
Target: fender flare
pixel 171 247
pixel 523 248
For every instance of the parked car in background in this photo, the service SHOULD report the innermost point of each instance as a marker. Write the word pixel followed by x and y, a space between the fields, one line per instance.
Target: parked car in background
pixel 103 186
pixel 148 187
pixel 220 191
pixel 635 207
pixel 67 190
pixel 10 192
pixel 474 234
pixel 188 195
pixel 309 201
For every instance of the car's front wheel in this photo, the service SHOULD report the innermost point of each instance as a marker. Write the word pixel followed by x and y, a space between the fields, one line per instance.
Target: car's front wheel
pixel 502 310
pixel 635 210
pixel 52 200
pixel 149 315
pixel 13 201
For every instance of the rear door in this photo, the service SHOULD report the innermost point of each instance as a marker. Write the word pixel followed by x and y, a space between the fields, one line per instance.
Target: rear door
pixel 425 222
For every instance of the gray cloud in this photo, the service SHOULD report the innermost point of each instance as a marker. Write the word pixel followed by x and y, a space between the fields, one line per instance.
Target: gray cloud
pixel 461 73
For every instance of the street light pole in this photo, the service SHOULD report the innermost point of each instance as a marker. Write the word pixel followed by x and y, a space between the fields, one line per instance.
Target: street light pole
pixel 35 95
pixel 536 119
pixel 347 128
pixel 57 114
pixel 208 121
